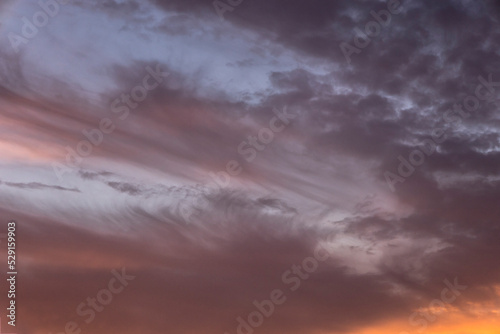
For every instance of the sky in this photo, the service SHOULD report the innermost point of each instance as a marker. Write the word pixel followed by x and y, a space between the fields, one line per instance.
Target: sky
pixel 251 166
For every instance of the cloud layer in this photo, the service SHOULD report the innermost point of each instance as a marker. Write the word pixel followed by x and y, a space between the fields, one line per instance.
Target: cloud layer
pixel 208 156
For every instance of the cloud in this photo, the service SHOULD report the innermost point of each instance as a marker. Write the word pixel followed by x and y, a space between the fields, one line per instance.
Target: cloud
pixel 37 186
pixel 145 198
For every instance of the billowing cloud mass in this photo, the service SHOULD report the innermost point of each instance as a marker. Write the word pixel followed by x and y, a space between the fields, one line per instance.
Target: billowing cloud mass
pixel 173 164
